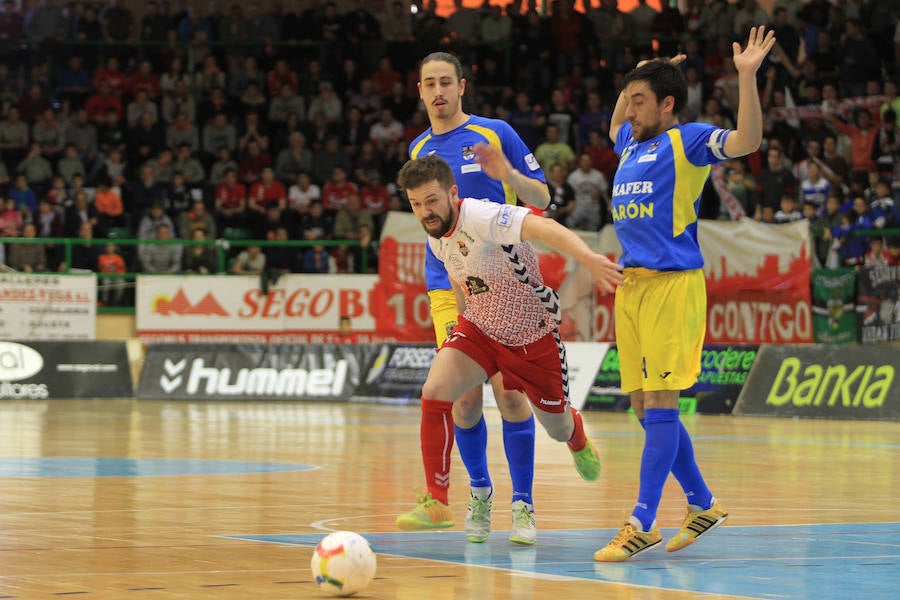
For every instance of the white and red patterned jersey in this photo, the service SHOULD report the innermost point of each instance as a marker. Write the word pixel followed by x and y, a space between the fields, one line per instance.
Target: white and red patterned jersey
pixel 498 272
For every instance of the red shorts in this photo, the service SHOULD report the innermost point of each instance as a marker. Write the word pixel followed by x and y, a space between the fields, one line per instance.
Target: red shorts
pixel 537 369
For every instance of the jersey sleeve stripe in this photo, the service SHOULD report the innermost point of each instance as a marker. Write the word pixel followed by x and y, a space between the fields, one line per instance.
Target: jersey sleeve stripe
pixel 414 153
pixel 716 143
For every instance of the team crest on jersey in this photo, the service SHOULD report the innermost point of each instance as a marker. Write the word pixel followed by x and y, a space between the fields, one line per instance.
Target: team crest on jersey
pixel 468 152
pixel 653 146
pixel 463 249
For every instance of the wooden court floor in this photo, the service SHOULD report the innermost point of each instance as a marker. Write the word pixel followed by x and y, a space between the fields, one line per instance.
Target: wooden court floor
pixel 136 499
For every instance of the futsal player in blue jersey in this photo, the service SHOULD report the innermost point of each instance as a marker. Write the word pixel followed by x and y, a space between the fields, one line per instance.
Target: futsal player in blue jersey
pixel 490 162
pixel 660 310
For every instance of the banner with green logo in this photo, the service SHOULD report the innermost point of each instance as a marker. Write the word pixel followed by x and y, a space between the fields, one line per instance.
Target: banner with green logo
pixel 834 306
pixel 723 370
pixel 823 381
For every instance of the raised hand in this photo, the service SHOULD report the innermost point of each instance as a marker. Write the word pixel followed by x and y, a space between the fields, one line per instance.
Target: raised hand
pixel 493 161
pixel 759 44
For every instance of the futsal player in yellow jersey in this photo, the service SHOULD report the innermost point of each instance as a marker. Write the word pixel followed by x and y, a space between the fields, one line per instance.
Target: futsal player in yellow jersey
pixel 660 310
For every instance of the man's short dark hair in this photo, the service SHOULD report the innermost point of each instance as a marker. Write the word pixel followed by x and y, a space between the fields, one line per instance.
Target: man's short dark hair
pixel 419 171
pixel 664 78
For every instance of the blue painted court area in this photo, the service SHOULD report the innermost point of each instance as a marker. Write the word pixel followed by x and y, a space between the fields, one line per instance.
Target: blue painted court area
pixel 825 562
pixel 136 467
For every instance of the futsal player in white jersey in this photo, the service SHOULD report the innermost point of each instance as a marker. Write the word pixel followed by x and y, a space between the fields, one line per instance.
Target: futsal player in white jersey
pixel 510 320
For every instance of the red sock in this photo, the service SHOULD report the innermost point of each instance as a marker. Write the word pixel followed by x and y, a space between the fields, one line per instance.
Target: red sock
pixel 578 439
pixel 436 437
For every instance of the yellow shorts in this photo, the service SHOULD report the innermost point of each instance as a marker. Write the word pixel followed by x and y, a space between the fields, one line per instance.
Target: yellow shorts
pixel 660 326
pixel 444 313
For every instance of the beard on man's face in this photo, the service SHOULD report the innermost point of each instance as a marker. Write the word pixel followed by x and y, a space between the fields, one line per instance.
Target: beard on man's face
pixel 436 226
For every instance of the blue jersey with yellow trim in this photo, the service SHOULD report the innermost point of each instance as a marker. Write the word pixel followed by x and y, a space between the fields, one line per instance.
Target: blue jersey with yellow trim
pixel 457 148
pixel 656 194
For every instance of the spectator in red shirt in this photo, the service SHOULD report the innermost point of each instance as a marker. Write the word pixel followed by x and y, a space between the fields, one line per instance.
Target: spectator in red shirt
pixel 118 81
pixel 231 202
pixel 281 75
pixel 144 79
pixel 32 105
pixel 102 102
pixel 862 133
pixel 254 160
pixel 337 190
pixel 384 77
pixel 266 191
pixel 602 156
pixel 374 194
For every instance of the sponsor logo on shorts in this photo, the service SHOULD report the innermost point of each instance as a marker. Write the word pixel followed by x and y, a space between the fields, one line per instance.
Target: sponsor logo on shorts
pixel 546 402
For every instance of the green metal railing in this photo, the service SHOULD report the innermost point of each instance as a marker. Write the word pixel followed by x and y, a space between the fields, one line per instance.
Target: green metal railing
pixel 223 249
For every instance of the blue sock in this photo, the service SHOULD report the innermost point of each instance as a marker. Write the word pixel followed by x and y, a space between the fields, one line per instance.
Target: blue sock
pixel 687 472
pixel 472 444
pixel 660 448
pixel 518 441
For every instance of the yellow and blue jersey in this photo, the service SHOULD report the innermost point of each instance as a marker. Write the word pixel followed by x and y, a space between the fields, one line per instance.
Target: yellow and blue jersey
pixel 656 194
pixel 457 147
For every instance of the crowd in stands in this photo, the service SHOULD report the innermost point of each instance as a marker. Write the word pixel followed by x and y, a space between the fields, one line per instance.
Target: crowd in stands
pixel 206 122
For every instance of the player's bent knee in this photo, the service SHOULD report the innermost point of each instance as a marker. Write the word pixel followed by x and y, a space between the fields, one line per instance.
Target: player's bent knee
pixel 557 425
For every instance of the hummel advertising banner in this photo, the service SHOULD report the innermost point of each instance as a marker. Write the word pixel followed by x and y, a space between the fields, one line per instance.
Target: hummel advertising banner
pixel 48 307
pixel 70 369
pixel 253 371
pixel 856 381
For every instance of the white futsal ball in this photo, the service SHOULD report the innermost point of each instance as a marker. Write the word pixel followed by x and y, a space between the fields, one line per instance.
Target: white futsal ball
pixel 343 563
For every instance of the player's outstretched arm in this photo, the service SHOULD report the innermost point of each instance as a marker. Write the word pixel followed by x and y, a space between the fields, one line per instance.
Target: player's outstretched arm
pixel 607 273
pixel 497 166
pixel 747 137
